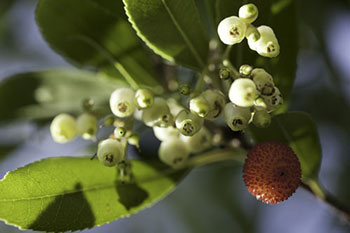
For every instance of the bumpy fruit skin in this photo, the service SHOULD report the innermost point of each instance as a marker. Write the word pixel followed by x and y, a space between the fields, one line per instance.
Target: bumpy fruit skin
pixel 87 125
pixel 272 172
pixel 63 128
pixel 110 152
pixel 231 30
pixel 122 102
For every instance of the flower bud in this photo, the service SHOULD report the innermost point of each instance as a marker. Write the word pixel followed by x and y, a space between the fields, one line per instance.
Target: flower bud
pixel 166 133
pixel 216 102
pixel 86 125
pixel 225 73
pixel 188 123
pixel 138 114
pixel 122 102
pixel 260 104
pixel 267 45
pixel 144 98
pixel 245 70
pixel 173 153
pixel 237 118
pixel 88 104
pixel 248 13
pixel 134 140
pixel 263 81
pixel 200 106
pixel 110 152
pixel 273 101
pixel 119 132
pixel 261 119
pixel 199 142
pixel 231 30
pixel 63 128
pixel 158 115
pixel 185 89
pixel 243 92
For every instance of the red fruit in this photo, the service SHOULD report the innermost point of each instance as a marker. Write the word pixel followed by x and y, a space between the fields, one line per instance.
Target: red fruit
pixel 272 172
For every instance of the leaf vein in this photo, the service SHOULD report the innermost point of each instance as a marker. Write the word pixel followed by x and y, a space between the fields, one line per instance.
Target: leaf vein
pixel 183 34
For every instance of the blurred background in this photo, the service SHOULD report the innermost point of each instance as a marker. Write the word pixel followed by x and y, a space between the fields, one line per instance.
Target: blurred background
pixel 213 198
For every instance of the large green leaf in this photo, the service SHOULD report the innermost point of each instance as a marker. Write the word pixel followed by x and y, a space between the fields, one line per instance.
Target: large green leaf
pixel 44 94
pixel 172 28
pixel 281 16
pixel 94 33
pixel 298 130
pixel 69 194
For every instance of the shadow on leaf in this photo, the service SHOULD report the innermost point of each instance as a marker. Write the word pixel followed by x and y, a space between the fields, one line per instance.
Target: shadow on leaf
pixel 68 212
pixel 130 194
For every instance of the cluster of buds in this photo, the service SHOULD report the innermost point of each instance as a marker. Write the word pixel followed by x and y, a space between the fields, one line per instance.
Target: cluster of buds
pixel 262 39
pixel 180 131
pixel 253 97
pixel 66 127
pixel 181 128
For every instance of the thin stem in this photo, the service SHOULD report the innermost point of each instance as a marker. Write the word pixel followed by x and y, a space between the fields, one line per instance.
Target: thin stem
pixel 199 85
pixel 227 52
pixel 314 187
pixel 235 154
pixel 219 155
pixel 126 75
pixel 228 64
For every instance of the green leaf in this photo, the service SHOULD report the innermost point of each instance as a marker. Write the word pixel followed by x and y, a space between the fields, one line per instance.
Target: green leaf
pixel 298 130
pixel 44 94
pixel 281 16
pixel 173 29
pixel 69 194
pixel 95 33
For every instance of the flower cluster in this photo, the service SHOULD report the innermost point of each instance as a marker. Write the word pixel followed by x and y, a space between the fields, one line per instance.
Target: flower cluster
pixel 65 127
pixel 253 97
pixel 262 39
pixel 181 125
